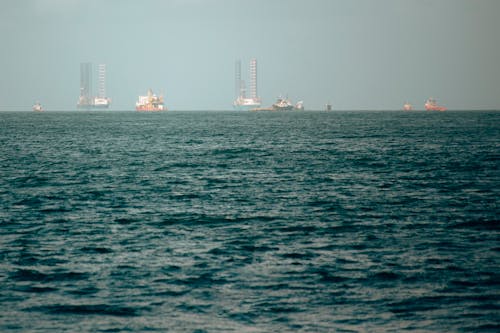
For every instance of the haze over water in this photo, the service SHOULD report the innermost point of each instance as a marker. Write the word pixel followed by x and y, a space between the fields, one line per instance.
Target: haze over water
pixel 249 222
pixel 355 54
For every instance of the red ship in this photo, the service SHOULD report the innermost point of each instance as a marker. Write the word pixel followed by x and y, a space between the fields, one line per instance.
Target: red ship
pixel 431 105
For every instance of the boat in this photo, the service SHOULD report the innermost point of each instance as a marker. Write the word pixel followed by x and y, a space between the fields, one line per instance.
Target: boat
pixel 150 103
pixel 328 107
pixel 299 106
pixel 431 105
pixel 37 107
pixel 282 104
pixel 407 107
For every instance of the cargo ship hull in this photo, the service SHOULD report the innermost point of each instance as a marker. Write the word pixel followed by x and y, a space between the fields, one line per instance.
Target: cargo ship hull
pixel 435 108
pixel 145 108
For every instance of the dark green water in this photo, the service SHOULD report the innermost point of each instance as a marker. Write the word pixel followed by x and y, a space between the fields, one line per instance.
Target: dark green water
pixel 249 222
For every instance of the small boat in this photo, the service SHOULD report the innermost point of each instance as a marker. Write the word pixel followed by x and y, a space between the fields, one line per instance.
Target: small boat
pixel 328 107
pixel 37 107
pixel 299 106
pixel 431 105
pixel 282 104
pixel 407 106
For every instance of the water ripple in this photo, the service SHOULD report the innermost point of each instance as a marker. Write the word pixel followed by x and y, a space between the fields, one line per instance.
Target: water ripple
pixel 249 222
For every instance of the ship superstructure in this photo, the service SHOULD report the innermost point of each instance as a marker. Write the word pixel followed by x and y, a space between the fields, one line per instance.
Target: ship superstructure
pixel 242 102
pixel 150 103
pixel 87 100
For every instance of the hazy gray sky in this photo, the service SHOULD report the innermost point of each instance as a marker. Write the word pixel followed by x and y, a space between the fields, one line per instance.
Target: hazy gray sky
pixel 357 54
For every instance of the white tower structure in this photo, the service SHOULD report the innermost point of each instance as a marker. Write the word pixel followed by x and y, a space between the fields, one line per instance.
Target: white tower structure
pixel 101 101
pixel 102 81
pixel 253 79
pixel 243 102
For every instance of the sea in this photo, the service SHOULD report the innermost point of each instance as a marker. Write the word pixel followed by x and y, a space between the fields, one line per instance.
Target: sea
pixel 361 221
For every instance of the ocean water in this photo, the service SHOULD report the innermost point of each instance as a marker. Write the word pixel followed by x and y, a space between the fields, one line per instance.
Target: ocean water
pixel 249 222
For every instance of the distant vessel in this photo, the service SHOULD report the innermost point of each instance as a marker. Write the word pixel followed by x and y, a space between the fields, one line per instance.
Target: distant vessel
pixel 150 102
pixel 242 102
pixel 299 106
pixel 328 107
pixel 407 106
pixel 282 104
pixel 37 107
pixel 431 105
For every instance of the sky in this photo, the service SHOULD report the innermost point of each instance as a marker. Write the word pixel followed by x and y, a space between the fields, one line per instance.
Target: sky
pixel 354 54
